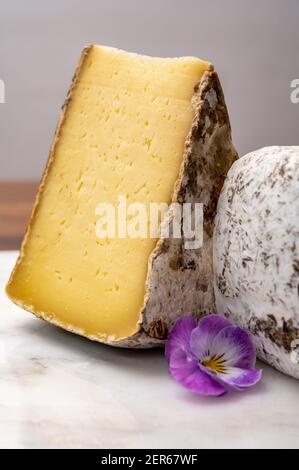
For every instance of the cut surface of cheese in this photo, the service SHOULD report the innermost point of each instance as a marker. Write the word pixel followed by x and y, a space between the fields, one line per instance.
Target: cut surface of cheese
pixel 123 133
pixel 135 126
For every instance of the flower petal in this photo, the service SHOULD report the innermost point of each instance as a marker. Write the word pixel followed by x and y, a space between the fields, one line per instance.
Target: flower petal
pixel 179 337
pixel 203 336
pixel 236 347
pixel 238 378
pixel 185 370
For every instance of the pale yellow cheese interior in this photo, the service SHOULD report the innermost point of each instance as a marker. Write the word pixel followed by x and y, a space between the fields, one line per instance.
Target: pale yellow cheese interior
pixel 123 133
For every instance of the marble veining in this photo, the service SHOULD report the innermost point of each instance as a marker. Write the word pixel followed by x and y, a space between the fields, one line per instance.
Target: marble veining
pixel 60 390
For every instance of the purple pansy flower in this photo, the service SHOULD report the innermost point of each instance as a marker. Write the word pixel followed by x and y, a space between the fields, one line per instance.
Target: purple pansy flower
pixel 213 357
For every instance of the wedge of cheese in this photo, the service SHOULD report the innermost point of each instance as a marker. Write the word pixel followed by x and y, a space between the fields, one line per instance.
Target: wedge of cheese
pixel 152 130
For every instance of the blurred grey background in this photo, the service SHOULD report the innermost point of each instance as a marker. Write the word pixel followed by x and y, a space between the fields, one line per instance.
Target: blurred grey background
pixel 253 44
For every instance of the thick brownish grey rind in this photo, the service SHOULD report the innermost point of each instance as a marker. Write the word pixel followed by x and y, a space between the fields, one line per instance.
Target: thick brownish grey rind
pixel 180 281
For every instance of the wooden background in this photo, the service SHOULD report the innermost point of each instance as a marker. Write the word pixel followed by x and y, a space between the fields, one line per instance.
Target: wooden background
pixel 16 201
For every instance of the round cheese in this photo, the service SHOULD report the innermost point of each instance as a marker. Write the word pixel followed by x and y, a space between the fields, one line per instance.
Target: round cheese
pixel 256 252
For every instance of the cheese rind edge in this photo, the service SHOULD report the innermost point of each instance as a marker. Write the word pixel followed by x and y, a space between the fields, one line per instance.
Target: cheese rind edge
pixel 180 281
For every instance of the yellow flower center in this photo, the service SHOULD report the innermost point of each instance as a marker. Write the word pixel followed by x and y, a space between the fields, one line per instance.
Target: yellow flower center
pixel 215 364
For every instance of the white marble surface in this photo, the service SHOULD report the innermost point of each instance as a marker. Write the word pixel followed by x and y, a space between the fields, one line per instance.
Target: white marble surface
pixel 60 390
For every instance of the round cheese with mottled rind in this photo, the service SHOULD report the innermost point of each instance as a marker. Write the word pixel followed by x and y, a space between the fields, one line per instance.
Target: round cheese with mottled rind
pixel 256 252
